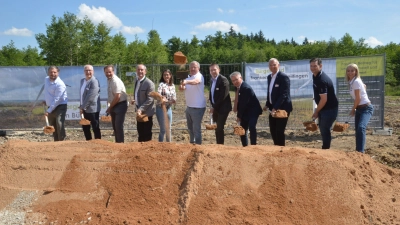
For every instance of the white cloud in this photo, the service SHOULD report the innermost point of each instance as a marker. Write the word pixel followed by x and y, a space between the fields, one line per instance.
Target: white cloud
pixel 221 26
pixel 96 15
pixel 229 11
pixel 18 32
pixel 301 38
pixel 131 30
pixel 101 14
pixel 373 42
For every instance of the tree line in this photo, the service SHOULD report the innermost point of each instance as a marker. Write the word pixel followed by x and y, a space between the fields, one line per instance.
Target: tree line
pixel 72 41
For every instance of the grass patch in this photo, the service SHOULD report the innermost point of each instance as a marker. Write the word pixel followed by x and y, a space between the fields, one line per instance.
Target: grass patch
pixel 392 90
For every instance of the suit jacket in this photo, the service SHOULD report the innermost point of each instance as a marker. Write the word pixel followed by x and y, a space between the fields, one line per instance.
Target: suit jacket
pixel 144 102
pixel 280 94
pixel 248 105
pixel 91 96
pixel 222 100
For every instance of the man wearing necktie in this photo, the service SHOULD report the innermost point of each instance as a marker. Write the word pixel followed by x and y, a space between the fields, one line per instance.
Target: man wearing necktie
pixel 220 101
pixel 278 97
pixel 144 103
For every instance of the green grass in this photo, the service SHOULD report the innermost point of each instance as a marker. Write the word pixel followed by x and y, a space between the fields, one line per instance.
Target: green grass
pixel 38 110
pixel 392 90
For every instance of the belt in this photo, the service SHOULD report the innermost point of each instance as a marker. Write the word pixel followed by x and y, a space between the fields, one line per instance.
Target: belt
pixel 57 106
pixel 122 102
pixel 363 105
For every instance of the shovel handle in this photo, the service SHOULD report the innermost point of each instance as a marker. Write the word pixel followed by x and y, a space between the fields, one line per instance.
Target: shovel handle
pixel 47 120
pixel 82 116
pixel 211 119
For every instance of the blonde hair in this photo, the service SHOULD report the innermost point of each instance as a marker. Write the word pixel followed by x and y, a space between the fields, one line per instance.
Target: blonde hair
pixel 354 66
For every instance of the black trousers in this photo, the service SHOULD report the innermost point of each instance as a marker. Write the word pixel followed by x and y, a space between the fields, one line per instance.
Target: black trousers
pixel 94 119
pixel 220 119
pixel 144 130
pixel 249 125
pixel 277 128
pixel 118 118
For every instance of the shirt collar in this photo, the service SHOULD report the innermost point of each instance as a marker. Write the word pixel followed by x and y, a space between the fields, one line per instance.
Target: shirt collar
pixel 141 80
pixel 194 74
pixel 214 79
pixel 319 74
pixel 54 81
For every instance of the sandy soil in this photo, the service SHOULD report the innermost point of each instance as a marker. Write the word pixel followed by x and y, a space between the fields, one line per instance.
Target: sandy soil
pixel 168 183
pixel 100 182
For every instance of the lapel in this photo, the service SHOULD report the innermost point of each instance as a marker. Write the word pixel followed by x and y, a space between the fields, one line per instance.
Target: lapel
pixel 139 82
pixel 140 87
pixel 88 83
pixel 276 82
pixel 240 94
pixel 269 81
pixel 277 77
pixel 217 83
pixel 242 86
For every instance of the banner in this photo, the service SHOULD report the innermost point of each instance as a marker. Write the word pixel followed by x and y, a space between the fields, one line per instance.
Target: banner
pixel 372 73
pixel 73 112
pixel 371 70
pixel 298 72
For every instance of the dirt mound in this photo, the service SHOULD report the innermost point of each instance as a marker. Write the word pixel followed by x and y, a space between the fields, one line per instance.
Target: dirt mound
pixel 101 182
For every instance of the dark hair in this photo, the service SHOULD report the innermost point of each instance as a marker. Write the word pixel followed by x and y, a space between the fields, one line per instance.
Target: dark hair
pixel 162 77
pixel 214 64
pixel 53 67
pixel 318 60
pixel 112 67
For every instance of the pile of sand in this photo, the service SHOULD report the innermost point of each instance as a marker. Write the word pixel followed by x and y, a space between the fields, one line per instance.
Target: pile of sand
pixel 168 183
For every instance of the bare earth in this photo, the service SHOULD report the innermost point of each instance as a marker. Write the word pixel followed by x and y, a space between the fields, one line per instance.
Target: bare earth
pixel 100 182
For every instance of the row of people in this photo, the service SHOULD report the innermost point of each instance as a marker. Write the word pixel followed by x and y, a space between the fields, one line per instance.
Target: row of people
pixel 246 104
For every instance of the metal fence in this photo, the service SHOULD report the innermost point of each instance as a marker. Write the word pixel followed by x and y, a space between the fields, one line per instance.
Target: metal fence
pixel 302 106
pixel 21 108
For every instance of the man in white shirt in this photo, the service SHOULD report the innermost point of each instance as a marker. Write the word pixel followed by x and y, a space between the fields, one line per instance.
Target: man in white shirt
pixel 55 94
pixel 117 98
pixel 195 101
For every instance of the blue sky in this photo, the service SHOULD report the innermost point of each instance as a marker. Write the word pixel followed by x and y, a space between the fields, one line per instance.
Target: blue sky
pixel 378 22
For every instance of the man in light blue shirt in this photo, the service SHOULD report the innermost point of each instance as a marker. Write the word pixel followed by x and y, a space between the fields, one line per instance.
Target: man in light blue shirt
pixel 55 94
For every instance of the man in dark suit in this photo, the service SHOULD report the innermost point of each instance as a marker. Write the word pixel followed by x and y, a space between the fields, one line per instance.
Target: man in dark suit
pixel 220 101
pixel 248 108
pixel 90 103
pixel 278 97
pixel 144 103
